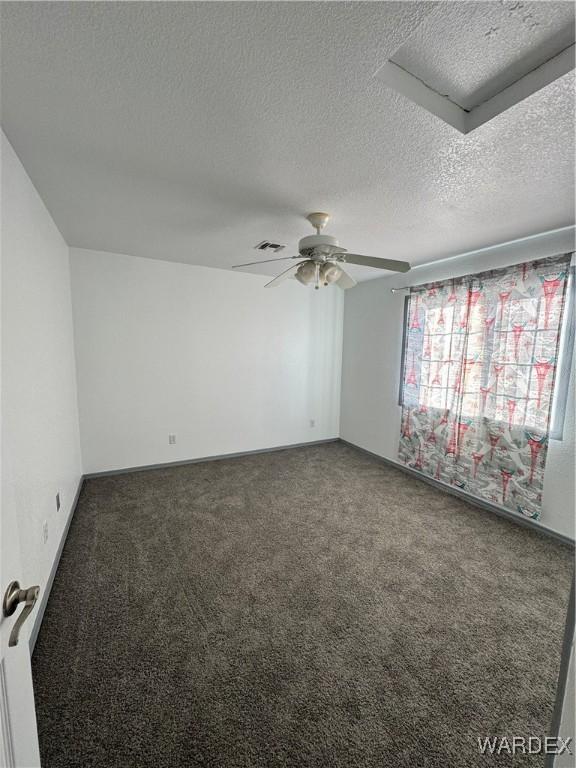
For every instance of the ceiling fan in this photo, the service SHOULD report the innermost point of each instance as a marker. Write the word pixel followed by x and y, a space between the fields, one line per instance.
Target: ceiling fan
pixel 321 258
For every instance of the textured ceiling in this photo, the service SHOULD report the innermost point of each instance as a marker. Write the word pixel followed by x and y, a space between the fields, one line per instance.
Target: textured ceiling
pixel 192 131
pixel 469 51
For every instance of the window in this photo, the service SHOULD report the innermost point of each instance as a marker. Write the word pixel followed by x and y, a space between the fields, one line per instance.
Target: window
pixel 481 356
pixel 488 348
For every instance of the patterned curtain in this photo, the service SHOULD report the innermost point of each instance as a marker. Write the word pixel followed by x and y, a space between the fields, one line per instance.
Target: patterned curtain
pixel 479 369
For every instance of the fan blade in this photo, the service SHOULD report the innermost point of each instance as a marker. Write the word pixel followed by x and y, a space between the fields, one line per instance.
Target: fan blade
pixel 370 261
pixel 282 276
pixel 345 281
pixel 266 261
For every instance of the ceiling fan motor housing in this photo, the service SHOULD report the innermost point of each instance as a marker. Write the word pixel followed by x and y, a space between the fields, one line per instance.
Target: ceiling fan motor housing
pixel 322 245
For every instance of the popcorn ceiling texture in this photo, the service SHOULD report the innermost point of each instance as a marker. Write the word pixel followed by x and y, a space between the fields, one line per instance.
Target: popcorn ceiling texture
pixel 470 51
pixel 192 131
pixel 308 607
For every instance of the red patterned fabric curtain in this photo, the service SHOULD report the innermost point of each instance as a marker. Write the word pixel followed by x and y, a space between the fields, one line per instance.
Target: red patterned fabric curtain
pixel 479 369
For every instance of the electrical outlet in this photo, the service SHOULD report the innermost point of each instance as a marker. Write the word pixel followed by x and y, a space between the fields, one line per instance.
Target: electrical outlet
pixel 171 439
pixel 45 531
pixel 58 501
pixel 312 422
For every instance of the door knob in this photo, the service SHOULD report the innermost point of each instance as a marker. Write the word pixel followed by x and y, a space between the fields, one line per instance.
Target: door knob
pixel 12 598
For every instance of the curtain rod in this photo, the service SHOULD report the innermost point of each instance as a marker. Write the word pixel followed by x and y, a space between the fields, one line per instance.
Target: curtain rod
pixel 432 263
pixel 414 288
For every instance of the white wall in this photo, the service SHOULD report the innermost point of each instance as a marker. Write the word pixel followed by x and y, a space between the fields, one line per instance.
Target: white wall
pixel 373 318
pixel 208 355
pixel 40 436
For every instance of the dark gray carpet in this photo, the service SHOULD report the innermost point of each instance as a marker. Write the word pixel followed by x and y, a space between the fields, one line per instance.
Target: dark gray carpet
pixel 311 607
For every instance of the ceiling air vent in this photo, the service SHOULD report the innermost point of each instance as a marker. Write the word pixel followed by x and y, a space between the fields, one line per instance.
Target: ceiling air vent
pixel 267 245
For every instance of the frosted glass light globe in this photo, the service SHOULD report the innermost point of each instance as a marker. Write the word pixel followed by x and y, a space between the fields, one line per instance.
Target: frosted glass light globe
pixel 306 273
pixel 330 272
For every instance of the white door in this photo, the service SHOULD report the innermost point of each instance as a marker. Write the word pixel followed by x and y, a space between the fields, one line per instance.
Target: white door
pixel 18 733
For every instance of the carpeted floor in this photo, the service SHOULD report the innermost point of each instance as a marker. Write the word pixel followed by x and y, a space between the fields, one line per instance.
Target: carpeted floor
pixel 311 607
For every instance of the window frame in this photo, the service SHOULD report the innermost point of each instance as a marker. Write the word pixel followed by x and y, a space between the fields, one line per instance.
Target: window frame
pixel 564 366
pixel 404 345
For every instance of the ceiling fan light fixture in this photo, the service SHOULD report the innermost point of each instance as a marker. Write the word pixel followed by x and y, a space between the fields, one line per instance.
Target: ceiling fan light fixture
pixel 322 256
pixel 330 273
pixel 306 273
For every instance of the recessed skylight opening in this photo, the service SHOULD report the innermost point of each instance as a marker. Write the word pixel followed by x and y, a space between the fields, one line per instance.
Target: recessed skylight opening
pixel 476 60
